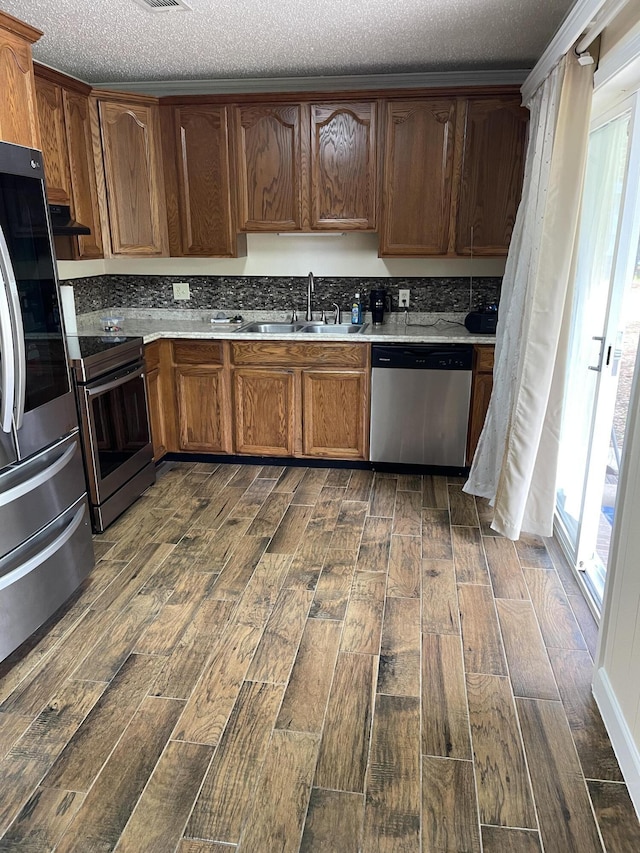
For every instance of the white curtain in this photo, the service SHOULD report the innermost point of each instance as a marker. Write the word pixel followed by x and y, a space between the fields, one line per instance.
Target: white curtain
pixel 516 459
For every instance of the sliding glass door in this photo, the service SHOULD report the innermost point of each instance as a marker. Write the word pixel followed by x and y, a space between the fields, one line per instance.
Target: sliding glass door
pixel 602 347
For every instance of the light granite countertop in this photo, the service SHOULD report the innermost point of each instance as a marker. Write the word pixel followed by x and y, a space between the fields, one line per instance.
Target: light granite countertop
pixel 152 324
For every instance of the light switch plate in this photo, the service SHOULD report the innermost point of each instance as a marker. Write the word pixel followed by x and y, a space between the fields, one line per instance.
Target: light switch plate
pixel 181 290
pixel 403 298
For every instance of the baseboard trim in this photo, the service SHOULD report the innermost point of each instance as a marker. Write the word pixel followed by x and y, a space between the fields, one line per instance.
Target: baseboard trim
pixel 621 738
pixel 312 462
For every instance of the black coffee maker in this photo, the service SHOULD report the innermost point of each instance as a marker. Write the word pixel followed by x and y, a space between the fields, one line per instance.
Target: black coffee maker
pixel 379 302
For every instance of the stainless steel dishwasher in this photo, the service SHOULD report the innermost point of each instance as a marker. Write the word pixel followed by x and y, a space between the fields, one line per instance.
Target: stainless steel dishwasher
pixel 420 398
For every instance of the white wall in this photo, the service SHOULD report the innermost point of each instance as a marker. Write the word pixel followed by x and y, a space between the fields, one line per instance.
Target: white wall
pixel 269 254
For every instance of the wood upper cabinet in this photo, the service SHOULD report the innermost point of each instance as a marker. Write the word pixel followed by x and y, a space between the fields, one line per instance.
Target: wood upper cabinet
pixel 54 141
pixel 492 169
pixel 417 177
pixel 84 189
pixel 303 167
pixel 343 166
pixel 18 109
pixel 268 152
pixel 200 212
pixel 335 413
pixel 130 134
pixel 202 392
pixel 264 411
pixel 67 148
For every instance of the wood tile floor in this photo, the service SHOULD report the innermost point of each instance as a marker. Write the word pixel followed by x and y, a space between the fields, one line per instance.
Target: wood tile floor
pixel 290 659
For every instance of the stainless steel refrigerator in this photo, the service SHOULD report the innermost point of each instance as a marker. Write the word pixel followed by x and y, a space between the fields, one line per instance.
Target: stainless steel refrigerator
pixel 45 533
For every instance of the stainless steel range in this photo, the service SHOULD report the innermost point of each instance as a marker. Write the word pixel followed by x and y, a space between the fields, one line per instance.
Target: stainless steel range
pixel 114 422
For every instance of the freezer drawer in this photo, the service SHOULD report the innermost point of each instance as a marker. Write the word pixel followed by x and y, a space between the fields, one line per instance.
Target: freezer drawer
pixel 39 576
pixel 34 492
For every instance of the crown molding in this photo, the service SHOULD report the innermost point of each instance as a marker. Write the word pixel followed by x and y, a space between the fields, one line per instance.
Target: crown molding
pixel 255 85
pixel 574 25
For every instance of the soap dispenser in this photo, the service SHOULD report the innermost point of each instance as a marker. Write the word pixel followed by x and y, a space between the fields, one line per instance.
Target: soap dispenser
pixel 356 310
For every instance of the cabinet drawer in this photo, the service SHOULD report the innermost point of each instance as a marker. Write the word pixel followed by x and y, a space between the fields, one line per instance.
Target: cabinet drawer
pixel 197 352
pixel 484 358
pixel 299 354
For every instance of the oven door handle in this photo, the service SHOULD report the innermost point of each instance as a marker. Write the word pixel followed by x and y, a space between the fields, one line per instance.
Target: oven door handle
pixel 95 390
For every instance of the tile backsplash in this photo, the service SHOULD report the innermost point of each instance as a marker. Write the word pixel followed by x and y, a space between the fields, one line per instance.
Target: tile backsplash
pixel 237 293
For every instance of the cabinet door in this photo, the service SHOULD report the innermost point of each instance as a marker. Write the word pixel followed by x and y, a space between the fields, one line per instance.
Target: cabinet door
pixel 417 179
pixel 335 414
pixel 264 411
pixel 201 139
pixel 18 109
pixel 492 173
pixel 84 194
pixel 54 141
pixel 269 166
pixel 343 170
pixel 202 406
pixel 133 175
pixel 480 396
pixel 156 417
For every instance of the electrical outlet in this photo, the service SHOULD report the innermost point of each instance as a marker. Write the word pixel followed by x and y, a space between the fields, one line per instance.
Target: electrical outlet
pixel 181 290
pixel 403 298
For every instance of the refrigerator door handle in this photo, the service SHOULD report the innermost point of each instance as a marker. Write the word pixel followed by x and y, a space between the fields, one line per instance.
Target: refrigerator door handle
pixel 47 552
pixel 38 479
pixel 7 368
pixel 15 313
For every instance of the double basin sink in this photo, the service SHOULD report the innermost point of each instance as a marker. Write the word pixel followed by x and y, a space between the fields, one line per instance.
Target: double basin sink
pixel 306 328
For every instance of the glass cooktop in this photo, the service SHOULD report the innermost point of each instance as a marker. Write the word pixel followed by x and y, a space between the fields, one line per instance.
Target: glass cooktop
pixel 86 347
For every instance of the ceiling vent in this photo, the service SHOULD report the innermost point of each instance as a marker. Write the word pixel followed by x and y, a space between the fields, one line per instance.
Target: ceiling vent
pixel 164 5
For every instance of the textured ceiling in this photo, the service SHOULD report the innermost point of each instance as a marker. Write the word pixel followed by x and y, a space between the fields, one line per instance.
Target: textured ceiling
pixel 113 41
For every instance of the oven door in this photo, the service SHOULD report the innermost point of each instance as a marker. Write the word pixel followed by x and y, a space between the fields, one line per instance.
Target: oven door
pixel 115 424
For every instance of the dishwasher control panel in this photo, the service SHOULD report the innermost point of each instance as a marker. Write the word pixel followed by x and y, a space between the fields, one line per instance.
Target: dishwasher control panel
pixel 427 357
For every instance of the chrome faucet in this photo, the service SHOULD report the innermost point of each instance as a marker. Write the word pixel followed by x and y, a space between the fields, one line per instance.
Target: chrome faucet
pixel 310 290
pixel 338 318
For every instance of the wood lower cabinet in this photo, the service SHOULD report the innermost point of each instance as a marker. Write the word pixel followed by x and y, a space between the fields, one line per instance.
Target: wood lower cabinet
pixel 482 385
pixel 492 170
pixel 418 174
pixel 18 105
pixel 335 413
pixel 298 399
pixel 202 403
pixel 264 411
pixel 155 399
pixel 201 382
pixel 130 133
pixel 343 166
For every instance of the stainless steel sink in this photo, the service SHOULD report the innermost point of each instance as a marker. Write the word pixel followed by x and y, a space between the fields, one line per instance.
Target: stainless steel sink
pixel 272 328
pixel 343 329
pixel 306 328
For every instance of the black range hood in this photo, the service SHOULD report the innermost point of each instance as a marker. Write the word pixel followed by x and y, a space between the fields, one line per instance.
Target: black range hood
pixel 62 224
